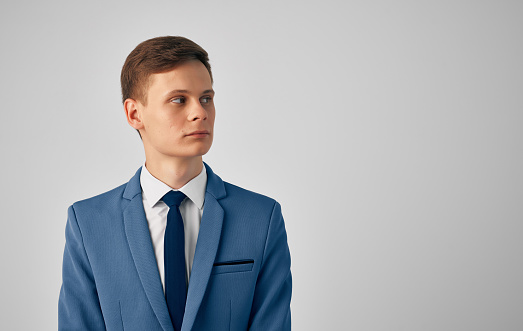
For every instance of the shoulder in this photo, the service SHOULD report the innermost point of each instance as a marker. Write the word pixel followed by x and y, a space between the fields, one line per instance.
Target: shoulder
pixel 102 202
pixel 112 199
pixel 234 196
pixel 238 192
pixel 241 198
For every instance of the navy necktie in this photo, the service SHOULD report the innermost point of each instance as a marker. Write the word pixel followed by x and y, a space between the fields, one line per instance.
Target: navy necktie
pixel 174 259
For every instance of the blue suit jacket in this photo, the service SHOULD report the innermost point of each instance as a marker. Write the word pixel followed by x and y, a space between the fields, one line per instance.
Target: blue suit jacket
pixel 240 278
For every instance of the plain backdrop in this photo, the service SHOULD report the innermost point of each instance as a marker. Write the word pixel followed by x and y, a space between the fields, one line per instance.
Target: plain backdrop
pixel 389 131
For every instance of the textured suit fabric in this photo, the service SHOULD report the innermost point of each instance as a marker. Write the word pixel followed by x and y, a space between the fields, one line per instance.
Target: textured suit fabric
pixel 240 280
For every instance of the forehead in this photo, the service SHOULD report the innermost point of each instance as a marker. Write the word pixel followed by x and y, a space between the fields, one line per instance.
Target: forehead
pixel 190 75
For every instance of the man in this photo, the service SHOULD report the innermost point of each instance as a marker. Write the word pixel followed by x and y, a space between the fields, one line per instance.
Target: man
pixel 175 248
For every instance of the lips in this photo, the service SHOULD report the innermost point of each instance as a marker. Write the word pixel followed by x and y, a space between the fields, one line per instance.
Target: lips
pixel 198 132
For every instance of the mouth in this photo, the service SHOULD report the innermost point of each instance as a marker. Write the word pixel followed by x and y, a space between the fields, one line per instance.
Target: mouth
pixel 200 133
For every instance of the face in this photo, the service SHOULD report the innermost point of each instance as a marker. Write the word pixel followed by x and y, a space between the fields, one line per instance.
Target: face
pixel 179 102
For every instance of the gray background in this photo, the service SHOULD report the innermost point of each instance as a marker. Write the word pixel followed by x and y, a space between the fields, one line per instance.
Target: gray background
pixel 389 131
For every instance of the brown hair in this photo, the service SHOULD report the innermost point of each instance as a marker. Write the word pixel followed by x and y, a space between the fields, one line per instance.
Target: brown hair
pixel 153 56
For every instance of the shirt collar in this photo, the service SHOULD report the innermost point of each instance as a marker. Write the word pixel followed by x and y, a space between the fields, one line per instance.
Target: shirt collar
pixel 154 189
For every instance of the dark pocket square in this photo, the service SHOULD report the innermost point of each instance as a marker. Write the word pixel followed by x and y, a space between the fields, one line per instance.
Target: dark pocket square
pixel 232 266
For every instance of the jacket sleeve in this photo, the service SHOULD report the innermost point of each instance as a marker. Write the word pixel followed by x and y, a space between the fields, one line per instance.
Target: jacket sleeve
pixel 272 296
pixel 78 304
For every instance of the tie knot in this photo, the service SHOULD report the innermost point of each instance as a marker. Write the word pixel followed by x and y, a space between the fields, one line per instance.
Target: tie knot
pixel 172 198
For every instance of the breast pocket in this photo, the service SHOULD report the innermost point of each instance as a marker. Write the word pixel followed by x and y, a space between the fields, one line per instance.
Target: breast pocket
pixel 232 266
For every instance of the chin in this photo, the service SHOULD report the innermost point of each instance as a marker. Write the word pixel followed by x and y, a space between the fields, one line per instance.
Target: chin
pixel 203 150
pixel 197 152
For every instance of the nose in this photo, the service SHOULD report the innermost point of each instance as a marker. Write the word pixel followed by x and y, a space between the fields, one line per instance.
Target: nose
pixel 197 111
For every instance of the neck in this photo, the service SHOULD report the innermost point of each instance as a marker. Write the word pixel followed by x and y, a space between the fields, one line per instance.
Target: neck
pixel 175 172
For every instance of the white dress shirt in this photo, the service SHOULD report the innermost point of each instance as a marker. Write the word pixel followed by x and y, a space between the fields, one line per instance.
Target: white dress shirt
pixel 156 211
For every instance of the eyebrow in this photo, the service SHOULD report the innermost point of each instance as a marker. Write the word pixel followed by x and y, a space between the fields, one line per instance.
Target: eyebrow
pixel 186 91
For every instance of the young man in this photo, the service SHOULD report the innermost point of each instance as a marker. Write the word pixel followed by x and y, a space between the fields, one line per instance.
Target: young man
pixel 175 248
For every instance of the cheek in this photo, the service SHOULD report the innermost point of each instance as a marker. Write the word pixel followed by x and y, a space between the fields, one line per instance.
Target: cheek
pixel 153 118
pixel 173 126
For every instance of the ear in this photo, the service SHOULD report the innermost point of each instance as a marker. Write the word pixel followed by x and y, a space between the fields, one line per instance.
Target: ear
pixel 132 112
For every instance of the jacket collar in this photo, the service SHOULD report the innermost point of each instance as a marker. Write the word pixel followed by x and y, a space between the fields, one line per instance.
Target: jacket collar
pixel 215 185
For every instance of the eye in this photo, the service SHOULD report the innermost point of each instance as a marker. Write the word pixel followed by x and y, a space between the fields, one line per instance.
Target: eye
pixel 178 100
pixel 206 99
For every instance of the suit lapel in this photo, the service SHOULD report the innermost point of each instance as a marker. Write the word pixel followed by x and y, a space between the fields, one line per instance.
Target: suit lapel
pixel 139 240
pixel 206 246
